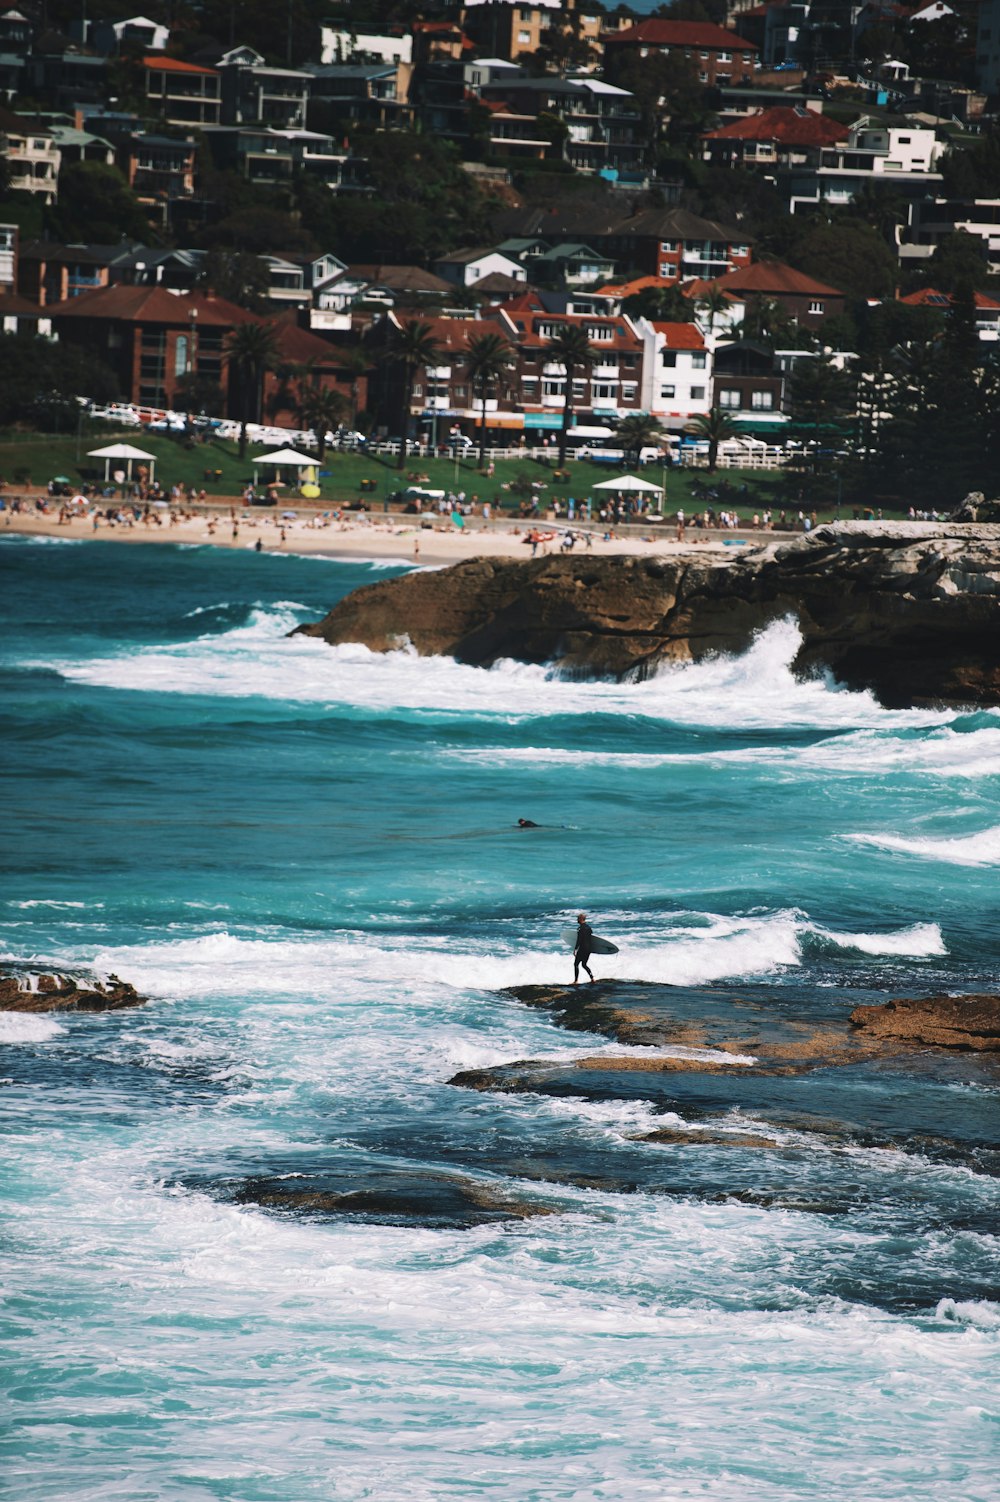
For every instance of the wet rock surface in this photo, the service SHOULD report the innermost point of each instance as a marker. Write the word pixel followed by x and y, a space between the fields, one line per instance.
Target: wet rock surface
pixel 908 610
pixel 971 1022
pixel 66 993
pixel 388 1197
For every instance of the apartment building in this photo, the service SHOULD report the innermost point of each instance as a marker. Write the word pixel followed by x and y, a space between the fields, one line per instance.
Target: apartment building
pixel 930 220
pixel 903 157
pixel 779 136
pixel 254 93
pixel 33 158
pixel 516 28
pixel 182 93
pixel 719 56
pixel 674 245
pixel 599 129
pixel 676 371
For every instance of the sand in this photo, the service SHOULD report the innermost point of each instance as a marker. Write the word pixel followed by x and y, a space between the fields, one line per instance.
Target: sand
pixel 406 539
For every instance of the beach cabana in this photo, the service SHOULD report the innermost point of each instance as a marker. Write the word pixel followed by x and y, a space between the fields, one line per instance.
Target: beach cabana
pixel 125 453
pixel 287 459
pixel 628 482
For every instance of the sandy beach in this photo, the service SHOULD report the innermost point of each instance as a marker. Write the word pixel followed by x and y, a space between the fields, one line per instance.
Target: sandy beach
pixel 406 539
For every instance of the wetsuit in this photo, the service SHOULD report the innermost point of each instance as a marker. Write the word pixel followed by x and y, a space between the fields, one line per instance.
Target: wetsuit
pixel 581 954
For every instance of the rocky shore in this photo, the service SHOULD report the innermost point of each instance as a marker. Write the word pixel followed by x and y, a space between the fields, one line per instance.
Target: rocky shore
pixel 909 610
pixel 66 993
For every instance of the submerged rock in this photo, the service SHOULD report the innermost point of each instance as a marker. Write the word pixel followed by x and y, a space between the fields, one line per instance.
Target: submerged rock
pixel 390 1198
pixel 64 993
pixel 908 610
pixel 971 1022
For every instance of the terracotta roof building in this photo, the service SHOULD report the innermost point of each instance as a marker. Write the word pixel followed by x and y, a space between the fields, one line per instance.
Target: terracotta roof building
pixel 805 299
pixel 720 57
pixel 782 135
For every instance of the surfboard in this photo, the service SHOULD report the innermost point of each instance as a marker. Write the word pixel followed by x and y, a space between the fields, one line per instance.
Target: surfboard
pixel 597 946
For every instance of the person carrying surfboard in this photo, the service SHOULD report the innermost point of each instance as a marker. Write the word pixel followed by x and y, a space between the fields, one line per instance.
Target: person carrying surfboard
pixel 582 951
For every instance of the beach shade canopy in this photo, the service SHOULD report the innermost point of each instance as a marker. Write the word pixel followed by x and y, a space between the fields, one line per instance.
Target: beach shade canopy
pixel 285 459
pixel 628 482
pixel 125 453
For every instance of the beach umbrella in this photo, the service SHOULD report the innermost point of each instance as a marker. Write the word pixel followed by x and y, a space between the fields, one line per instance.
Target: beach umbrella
pixel 458 518
pixel 289 516
pixel 61 480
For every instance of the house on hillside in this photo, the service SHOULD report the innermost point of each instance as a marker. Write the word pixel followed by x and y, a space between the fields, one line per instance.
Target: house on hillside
pixel 930 220
pixel 674 244
pixel 719 56
pixel 182 93
pixel 987 309
pixel 749 384
pixel 676 372
pixel 254 93
pixel 465 268
pixel 809 302
pixel 780 136
pixel 33 158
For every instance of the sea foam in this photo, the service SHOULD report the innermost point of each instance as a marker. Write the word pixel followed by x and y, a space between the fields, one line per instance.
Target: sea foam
pixel 980 849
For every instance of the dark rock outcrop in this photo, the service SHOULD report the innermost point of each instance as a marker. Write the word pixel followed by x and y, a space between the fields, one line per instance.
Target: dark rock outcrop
pixel 971 1022
pixel 62 993
pixel 387 1197
pixel 909 610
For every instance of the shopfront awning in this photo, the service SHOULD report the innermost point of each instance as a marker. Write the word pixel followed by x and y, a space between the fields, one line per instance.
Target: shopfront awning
pixel 551 421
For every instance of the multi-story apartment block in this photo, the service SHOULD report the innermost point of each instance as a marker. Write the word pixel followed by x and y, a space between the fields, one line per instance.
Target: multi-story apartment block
pixel 33 158
pixel 182 93
pixel 676 371
pixel 904 156
pixel 516 28
pixel 597 123
pixel 780 136
pixel 674 245
pixel 253 93
pixel 374 94
pixel 718 56
pixel 612 387
pixel 931 219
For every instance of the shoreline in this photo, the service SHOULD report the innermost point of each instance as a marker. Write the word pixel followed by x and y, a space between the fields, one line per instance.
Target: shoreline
pixel 393 537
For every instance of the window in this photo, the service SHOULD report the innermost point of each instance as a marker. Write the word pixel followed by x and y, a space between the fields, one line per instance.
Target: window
pixel 904 140
pixel 524 38
pixel 699 361
pixel 629 391
pixel 697 393
pixel 739 250
pixel 724 57
pixel 553 388
pixel 666 270
pixel 668 359
pixel 816 306
pixel 181 355
pixel 667 393
pixel 600 335
pixel 668 247
pixel 762 401
pixel 418 390
pixel 602 391
pixel 729 398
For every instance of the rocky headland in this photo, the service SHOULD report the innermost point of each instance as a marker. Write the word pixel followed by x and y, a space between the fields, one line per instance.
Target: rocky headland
pixel 909 610
pixel 66 993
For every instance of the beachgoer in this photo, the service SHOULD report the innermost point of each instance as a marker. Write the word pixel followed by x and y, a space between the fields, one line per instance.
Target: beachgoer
pixel 258 546
pixel 582 952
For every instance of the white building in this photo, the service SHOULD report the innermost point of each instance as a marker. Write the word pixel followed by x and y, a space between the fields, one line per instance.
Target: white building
pixel 908 155
pixel 676 372
pixel 33 158
pixel 338 45
pixel 932 219
pixel 464 268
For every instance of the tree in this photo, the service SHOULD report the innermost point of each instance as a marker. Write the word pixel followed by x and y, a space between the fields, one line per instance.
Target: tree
pixel 852 257
pixel 200 393
pixel 638 431
pixel 414 347
pixel 96 204
pixel 486 359
pixel 662 304
pixel 714 304
pixel 321 408
pixel 40 382
pixel 252 352
pixel 356 363
pixel 716 426
pixel 959 260
pixel 238 276
pixel 573 351
pixel 821 396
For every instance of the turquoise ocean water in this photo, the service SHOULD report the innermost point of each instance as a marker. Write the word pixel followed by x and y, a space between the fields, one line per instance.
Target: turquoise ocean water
pixel 306 858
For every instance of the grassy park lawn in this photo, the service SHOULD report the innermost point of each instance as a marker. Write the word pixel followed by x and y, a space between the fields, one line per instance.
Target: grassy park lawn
pixel 215 467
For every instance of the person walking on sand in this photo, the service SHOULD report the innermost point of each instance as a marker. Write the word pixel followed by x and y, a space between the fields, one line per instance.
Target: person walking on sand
pixel 582 952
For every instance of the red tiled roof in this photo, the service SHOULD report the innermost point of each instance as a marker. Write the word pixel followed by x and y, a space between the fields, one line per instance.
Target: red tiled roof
pixel 681 335
pixel 628 289
pixel 152 305
pixel 698 286
pixel 782 123
pixel 772 278
pixel 622 338
pixel 930 297
pixel 174 65
pixel 702 34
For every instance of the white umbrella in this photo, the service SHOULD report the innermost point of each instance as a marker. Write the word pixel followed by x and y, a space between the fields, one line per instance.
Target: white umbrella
pixel 285 459
pixel 126 451
pixel 628 482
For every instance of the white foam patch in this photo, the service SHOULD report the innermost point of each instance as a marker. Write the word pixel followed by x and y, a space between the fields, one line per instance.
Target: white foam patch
pixel 755 690
pixel 980 849
pixel 28 1027
pixel 718 948
pixel 52 902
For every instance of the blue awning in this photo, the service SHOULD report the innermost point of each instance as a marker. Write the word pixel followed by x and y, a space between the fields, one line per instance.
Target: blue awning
pixel 542 420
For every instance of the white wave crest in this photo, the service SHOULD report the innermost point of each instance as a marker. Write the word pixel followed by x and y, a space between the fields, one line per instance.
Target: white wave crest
pixel 981 849
pixel 754 690
pixel 712 948
pixel 28 1027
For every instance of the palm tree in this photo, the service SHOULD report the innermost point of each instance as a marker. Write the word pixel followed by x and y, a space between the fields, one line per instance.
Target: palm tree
pixel 716 426
pixel 252 352
pixel 415 347
pixel 573 351
pixel 486 359
pixel 636 432
pixel 321 408
pixel 356 363
pixel 714 303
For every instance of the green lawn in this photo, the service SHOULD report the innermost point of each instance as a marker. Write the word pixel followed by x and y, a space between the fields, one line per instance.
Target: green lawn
pixel 43 457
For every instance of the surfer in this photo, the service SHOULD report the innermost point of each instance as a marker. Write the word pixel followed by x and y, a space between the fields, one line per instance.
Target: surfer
pixel 582 951
pixel 527 824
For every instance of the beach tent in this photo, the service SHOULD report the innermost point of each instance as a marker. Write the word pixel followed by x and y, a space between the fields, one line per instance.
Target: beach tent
pixel 628 482
pixel 288 459
pixel 125 453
